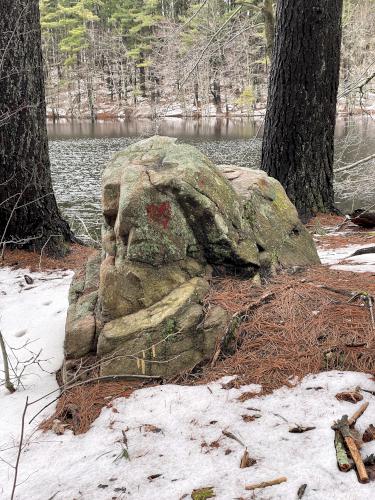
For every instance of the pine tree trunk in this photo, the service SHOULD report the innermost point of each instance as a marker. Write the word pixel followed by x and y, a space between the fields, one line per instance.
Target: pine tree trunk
pixel 29 215
pixel 298 138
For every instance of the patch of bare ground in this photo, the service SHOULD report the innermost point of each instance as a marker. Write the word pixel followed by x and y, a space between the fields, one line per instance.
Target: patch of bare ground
pixel 22 259
pixel 325 220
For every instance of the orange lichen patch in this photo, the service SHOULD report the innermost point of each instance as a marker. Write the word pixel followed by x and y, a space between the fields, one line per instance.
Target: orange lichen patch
pixel 77 408
pixel 299 324
pixel 74 260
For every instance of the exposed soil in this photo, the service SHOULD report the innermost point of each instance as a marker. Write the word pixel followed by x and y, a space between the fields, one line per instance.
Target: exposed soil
pixel 334 231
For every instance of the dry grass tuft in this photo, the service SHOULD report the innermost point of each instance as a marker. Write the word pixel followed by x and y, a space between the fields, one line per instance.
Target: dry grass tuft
pixel 300 324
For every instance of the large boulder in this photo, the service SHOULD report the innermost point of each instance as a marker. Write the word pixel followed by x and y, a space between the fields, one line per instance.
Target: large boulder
pixel 163 202
pixel 280 236
pixel 170 218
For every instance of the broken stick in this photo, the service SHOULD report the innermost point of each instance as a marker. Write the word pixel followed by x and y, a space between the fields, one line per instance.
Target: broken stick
pixel 353 419
pixel 341 455
pixel 342 426
pixel 265 484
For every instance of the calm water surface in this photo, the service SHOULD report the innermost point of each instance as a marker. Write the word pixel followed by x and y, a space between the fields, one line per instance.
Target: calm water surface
pixel 79 151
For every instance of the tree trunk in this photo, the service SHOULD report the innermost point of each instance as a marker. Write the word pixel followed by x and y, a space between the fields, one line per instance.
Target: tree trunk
pixel 29 215
pixel 216 94
pixel 298 137
pixel 142 75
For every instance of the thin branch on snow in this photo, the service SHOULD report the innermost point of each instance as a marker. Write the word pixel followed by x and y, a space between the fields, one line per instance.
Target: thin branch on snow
pixel 16 467
pixel 8 384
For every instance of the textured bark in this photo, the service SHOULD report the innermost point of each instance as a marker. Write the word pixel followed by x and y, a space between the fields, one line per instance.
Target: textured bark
pixel 301 109
pixel 28 210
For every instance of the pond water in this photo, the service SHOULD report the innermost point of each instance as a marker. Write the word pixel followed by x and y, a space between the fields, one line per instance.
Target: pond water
pixel 79 151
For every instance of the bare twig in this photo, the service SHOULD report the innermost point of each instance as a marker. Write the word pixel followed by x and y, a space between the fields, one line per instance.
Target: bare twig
pixel 19 448
pixel 8 383
pixel 265 484
pixel 355 164
pixel 353 419
pixel 234 13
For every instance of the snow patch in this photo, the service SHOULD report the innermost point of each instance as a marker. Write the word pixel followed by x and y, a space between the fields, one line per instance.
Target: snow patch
pixel 341 260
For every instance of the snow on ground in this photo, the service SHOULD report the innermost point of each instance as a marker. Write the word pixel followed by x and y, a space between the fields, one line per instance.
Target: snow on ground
pixel 341 260
pixel 32 314
pixel 174 434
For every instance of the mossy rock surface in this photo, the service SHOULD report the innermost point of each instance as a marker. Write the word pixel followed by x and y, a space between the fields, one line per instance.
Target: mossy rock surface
pixel 127 287
pixel 80 327
pixel 280 236
pixel 170 218
pixel 163 202
pixel 166 338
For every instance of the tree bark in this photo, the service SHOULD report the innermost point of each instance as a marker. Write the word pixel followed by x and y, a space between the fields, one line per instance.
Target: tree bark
pixel 29 215
pixel 298 139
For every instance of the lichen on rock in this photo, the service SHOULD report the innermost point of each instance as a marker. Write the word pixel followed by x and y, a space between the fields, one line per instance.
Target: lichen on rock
pixel 170 217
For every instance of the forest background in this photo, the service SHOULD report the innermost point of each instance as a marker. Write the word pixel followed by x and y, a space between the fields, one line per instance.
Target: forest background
pixel 149 58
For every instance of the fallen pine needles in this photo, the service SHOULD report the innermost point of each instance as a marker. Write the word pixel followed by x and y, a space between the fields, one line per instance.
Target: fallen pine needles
pixel 300 324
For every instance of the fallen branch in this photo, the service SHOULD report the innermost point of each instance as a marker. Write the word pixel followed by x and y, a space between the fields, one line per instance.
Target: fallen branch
pixel 335 290
pixel 368 391
pixel 363 218
pixel 341 455
pixel 370 303
pixel 230 435
pixel 246 460
pixel 265 484
pixel 301 491
pixel 362 251
pixel 355 164
pixel 8 383
pixel 299 429
pixel 342 426
pixel 361 410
